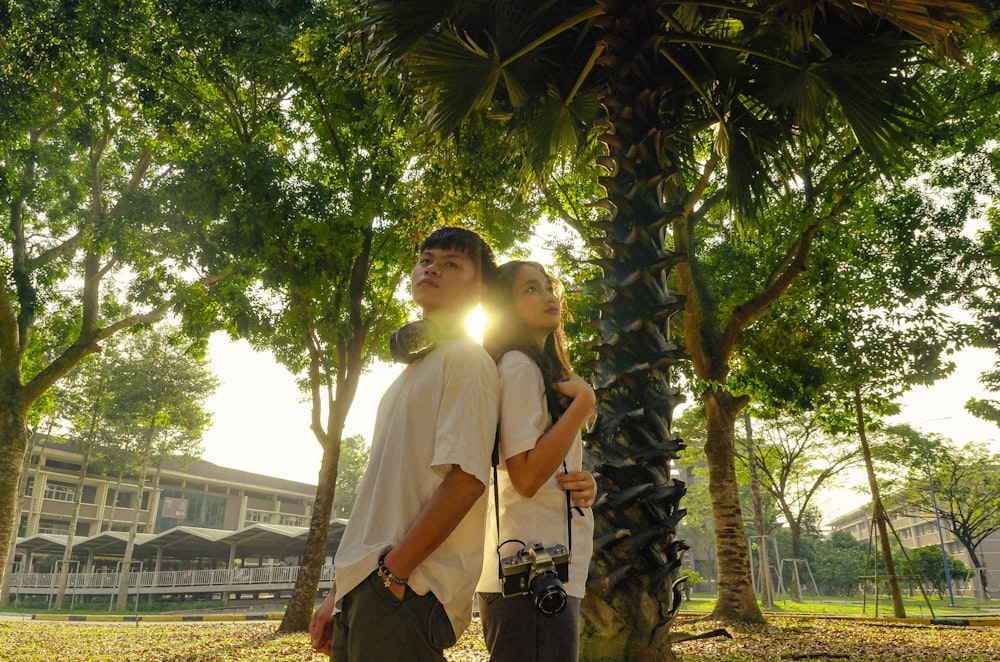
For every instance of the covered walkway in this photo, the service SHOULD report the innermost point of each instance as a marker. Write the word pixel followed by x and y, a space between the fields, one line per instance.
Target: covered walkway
pixel 204 583
pixel 206 562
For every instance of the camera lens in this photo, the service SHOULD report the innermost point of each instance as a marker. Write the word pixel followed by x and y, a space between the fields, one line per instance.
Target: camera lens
pixel 548 593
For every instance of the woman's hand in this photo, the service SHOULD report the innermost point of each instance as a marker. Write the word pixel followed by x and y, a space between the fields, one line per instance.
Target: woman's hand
pixel 574 386
pixel 581 485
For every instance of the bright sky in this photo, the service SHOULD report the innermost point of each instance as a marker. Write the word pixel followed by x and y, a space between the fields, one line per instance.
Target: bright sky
pixel 261 421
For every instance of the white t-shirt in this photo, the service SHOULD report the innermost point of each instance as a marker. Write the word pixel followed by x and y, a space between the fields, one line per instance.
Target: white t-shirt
pixel 440 411
pixel 524 417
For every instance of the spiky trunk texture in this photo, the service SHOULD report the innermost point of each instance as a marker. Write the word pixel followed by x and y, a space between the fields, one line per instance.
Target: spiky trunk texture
pixel 629 603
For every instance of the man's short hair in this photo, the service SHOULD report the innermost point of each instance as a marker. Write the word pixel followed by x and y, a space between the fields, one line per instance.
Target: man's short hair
pixel 469 243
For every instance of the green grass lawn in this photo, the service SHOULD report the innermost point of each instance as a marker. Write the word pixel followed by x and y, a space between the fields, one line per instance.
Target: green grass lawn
pixel 858 606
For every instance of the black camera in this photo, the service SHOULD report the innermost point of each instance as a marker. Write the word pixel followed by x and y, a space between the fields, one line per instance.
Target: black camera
pixel 540 571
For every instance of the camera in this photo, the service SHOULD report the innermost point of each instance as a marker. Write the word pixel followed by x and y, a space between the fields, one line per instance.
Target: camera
pixel 539 571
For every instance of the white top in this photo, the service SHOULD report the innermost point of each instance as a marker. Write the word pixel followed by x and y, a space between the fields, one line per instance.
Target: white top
pixel 440 411
pixel 524 417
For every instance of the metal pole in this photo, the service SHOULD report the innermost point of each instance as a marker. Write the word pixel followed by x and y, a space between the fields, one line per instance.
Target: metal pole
pixel 937 518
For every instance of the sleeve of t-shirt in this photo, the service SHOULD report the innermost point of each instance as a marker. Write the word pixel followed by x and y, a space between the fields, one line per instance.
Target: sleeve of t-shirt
pixel 467 420
pixel 523 414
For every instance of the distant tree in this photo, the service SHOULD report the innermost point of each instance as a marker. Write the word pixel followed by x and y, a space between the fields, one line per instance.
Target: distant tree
pixel 838 563
pixel 84 401
pixel 354 451
pixel 966 483
pixel 796 459
pixel 697 527
pixel 929 564
pixel 866 322
pixel 985 305
pixel 693 578
pixel 157 390
pixel 977 88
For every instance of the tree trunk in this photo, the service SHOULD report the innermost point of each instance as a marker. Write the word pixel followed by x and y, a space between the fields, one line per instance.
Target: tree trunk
pixel 795 590
pixel 351 360
pixel 8 570
pixel 115 491
pixel 976 565
pixel 736 602
pixel 878 514
pixel 13 445
pixel 300 607
pixel 630 603
pixel 130 545
pixel 68 552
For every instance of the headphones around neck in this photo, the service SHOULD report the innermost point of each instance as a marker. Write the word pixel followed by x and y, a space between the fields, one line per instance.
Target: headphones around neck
pixel 413 341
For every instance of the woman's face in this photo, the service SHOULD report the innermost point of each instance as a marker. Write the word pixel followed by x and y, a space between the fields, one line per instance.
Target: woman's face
pixel 535 303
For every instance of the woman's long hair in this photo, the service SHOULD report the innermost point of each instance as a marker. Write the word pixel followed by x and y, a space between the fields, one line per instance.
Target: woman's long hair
pixel 505 333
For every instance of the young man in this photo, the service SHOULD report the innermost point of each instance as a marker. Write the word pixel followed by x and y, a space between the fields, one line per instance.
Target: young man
pixel 411 554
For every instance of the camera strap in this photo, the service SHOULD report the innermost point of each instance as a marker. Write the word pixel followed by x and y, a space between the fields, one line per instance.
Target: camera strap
pixel 496 506
pixel 496 499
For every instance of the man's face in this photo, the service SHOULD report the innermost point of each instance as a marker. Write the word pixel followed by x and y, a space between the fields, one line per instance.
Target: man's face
pixel 445 280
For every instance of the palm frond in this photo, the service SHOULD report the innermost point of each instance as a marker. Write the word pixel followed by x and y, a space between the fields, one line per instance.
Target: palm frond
pixel 402 23
pixel 465 69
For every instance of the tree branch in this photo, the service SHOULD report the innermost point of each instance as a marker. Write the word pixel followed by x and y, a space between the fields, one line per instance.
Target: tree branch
pixel 88 340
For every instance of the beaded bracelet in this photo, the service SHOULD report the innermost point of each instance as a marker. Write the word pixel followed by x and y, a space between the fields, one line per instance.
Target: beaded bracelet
pixel 387 577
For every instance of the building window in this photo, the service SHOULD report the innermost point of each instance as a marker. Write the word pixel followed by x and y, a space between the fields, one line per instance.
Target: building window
pixel 54 527
pixel 257 517
pixel 60 491
pixel 179 507
pixel 29 487
pixel 89 494
pixel 290 520
pixel 67 466
pixel 120 500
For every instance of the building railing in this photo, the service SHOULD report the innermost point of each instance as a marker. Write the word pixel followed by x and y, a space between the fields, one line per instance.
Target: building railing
pixel 269 578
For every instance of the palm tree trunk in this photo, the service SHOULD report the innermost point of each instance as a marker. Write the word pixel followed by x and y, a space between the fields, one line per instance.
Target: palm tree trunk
pixel 879 514
pixel 627 611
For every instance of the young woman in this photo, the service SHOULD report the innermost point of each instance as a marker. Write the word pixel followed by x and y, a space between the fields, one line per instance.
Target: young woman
pixel 543 407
